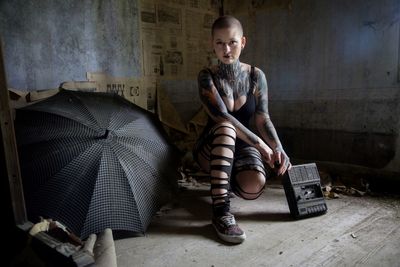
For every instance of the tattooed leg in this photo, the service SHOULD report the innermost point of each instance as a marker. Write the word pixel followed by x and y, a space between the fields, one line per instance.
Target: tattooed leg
pixel 221 159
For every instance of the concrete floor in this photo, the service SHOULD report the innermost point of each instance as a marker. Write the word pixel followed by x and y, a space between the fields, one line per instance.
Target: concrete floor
pixel 356 231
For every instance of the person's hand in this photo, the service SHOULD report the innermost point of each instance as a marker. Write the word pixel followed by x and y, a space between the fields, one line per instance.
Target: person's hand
pixel 282 161
pixel 267 154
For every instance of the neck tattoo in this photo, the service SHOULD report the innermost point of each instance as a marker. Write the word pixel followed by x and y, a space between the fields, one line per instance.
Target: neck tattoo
pixel 229 72
pixel 232 80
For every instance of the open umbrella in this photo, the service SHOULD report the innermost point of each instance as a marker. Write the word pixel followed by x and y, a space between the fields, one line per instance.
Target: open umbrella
pixel 94 161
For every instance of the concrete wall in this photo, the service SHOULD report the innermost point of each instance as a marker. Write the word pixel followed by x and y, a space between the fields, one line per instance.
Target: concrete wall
pixel 332 66
pixel 333 73
pixel 47 42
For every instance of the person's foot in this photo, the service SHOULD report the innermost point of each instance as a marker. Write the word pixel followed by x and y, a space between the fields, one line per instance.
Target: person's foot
pixel 227 228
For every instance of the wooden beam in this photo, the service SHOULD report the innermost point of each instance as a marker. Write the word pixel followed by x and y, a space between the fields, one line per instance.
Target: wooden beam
pixel 10 149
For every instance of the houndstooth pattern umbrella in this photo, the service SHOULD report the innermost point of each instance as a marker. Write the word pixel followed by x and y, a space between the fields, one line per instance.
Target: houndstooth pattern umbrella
pixel 94 161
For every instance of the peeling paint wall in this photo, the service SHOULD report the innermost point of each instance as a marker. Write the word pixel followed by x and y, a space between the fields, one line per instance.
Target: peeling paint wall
pixel 50 41
pixel 332 66
pixel 333 74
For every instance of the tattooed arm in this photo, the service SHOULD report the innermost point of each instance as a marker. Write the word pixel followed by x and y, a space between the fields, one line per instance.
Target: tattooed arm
pixel 265 126
pixel 217 110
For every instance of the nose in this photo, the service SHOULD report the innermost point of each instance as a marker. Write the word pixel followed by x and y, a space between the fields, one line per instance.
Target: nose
pixel 226 48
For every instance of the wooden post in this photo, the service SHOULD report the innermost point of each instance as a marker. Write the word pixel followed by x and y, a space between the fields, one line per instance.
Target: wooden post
pixel 10 149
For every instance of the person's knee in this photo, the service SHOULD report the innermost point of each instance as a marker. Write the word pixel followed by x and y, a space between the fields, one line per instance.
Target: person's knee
pixel 224 124
pixel 225 128
pixel 225 134
pixel 250 184
pixel 256 183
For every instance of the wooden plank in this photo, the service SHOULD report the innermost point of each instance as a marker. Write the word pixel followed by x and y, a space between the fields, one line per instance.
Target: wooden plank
pixel 10 149
pixel 89 86
pixel 41 95
pixel 274 239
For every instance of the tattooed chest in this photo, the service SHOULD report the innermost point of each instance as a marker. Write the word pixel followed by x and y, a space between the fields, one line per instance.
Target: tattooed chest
pixel 233 89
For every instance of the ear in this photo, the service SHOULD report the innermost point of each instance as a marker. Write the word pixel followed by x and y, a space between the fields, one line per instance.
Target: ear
pixel 243 42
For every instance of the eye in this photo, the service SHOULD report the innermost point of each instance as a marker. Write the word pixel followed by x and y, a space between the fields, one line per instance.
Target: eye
pixel 233 42
pixel 218 42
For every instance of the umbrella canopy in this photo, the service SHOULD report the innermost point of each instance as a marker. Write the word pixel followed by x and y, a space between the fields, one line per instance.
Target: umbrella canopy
pixel 94 161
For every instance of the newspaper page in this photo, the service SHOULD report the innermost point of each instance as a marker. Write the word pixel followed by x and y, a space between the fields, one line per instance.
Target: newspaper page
pixel 206 5
pixel 176 37
pixel 174 62
pixel 169 16
pixel 152 47
pixel 149 84
pixel 198 43
pixel 175 40
pixel 148 17
pixel 163 53
pixel 129 88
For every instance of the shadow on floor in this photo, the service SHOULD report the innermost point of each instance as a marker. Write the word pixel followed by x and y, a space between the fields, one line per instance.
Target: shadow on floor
pixel 265 216
pixel 192 216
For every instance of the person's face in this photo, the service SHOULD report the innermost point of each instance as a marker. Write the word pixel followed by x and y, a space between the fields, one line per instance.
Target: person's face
pixel 228 44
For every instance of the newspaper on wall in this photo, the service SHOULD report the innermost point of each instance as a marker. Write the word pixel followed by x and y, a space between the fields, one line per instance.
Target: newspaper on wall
pixel 175 37
pixel 129 88
pixel 150 85
pixel 176 44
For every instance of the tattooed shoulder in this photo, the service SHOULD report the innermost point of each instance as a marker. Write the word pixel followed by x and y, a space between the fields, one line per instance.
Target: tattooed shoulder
pixel 261 92
pixel 205 79
pixel 261 81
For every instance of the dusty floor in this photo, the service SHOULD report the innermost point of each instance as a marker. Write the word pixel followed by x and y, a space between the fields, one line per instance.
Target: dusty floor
pixel 356 231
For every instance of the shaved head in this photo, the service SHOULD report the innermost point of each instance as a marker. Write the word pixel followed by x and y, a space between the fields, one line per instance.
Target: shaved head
pixel 224 22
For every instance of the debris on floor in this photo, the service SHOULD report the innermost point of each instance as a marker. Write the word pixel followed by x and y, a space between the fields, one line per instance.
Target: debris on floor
pixel 337 188
pixel 192 177
pixel 50 243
